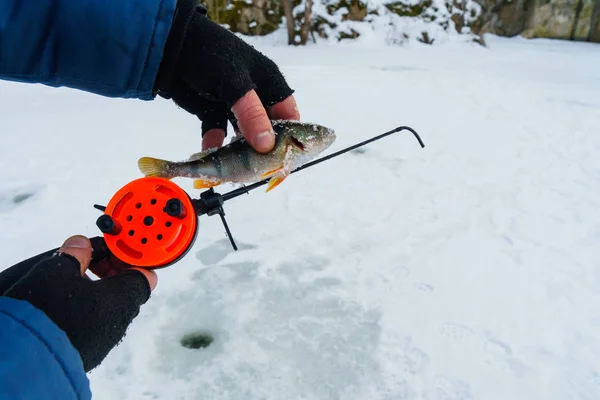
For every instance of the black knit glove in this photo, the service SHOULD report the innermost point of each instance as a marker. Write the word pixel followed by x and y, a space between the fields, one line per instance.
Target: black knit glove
pixel 93 314
pixel 206 69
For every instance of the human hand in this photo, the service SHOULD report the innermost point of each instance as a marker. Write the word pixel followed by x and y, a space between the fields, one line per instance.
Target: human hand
pixel 93 314
pixel 213 74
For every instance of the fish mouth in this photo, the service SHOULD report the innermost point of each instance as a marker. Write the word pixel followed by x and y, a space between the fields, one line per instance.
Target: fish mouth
pixel 297 143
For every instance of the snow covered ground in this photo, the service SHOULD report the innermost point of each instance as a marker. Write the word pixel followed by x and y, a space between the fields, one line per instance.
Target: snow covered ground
pixel 469 269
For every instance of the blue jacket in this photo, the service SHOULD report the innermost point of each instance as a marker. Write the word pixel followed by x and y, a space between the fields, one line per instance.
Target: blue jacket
pixel 37 361
pixel 108 47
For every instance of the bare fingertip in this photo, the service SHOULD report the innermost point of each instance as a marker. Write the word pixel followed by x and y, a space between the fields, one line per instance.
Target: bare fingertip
pixel 287 109
pixel 264 142
pixel 80 247
pixel 213 138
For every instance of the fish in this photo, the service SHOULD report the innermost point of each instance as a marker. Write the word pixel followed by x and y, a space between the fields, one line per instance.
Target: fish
pixel 296 143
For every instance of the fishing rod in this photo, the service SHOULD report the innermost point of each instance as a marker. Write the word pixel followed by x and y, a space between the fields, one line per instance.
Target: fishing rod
pixel 246 189
pixel 172 229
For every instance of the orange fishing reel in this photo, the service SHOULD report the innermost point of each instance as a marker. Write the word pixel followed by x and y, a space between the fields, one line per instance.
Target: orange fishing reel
pixel 149 223
pixel 152 222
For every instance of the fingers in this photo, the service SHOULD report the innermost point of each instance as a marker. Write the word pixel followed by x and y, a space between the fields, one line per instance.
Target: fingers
pixel 150 276
pixel 112 266
pixel 72 246
pixel 250 116
pixel 254 122
pixel 129 289
pixel 287 109
pixel 213 138
pixel 79 247
pixel 108 267
pixel 213 116
pixel 100 250
pixel 11 275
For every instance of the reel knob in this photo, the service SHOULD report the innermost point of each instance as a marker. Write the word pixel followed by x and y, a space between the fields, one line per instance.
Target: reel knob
pixel 150 223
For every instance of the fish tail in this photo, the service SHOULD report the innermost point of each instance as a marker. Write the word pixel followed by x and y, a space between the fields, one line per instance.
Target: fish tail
pixel 155 167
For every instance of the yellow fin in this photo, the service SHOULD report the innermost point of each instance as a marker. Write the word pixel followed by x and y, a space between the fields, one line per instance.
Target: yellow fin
pixel 197 156
pixel 275 181
pixel 202 154
pixel 204 184
pixel 154 167
pixel 270 173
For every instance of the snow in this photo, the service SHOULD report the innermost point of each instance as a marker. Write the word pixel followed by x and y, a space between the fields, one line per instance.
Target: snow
pixel 464 270
pixel 383 25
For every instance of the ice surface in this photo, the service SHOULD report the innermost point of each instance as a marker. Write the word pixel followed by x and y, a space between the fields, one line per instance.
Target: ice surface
pixel 465 270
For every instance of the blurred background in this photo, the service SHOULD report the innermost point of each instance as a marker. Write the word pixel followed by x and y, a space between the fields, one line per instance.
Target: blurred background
pixel 423 20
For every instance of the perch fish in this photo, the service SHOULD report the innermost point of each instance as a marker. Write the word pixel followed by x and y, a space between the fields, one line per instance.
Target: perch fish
pixel 296 143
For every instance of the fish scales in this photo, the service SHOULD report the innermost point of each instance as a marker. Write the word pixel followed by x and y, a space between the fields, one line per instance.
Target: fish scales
pixel 295 144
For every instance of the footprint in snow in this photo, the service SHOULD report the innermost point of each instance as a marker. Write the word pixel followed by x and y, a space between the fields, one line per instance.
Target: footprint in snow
pixel 456 331
pixel 425 287
pixel 446 388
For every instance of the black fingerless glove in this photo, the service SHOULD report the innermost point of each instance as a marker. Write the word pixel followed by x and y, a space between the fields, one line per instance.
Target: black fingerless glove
pixel 206 68
pixel 93 314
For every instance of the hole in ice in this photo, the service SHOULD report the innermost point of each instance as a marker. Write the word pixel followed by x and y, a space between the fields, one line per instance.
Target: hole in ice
pixel 21 197
pixel 196 340
pixel 14 197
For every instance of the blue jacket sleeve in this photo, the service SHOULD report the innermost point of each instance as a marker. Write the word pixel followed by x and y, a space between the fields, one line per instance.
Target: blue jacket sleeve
pixel 108 47
pixel 36 358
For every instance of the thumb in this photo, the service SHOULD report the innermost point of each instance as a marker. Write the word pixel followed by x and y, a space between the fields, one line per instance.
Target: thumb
pixel 80 248
pixel 254 123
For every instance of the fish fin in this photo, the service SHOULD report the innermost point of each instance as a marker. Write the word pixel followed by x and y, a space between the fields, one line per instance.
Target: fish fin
pixel 154 167
pixel 271 173
pixel 205 184
pixel 202 154
pixel 197 156
pixel 275 181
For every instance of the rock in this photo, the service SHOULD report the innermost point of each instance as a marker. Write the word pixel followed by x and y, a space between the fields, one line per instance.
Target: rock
pixel 248 17
pixel 357 10
pixel 556 19
pixel 466 18
pixel 594 35
pixel 504 17
pixel 350 10
pixel 553 19
pixel 344 19
pixel 402 9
